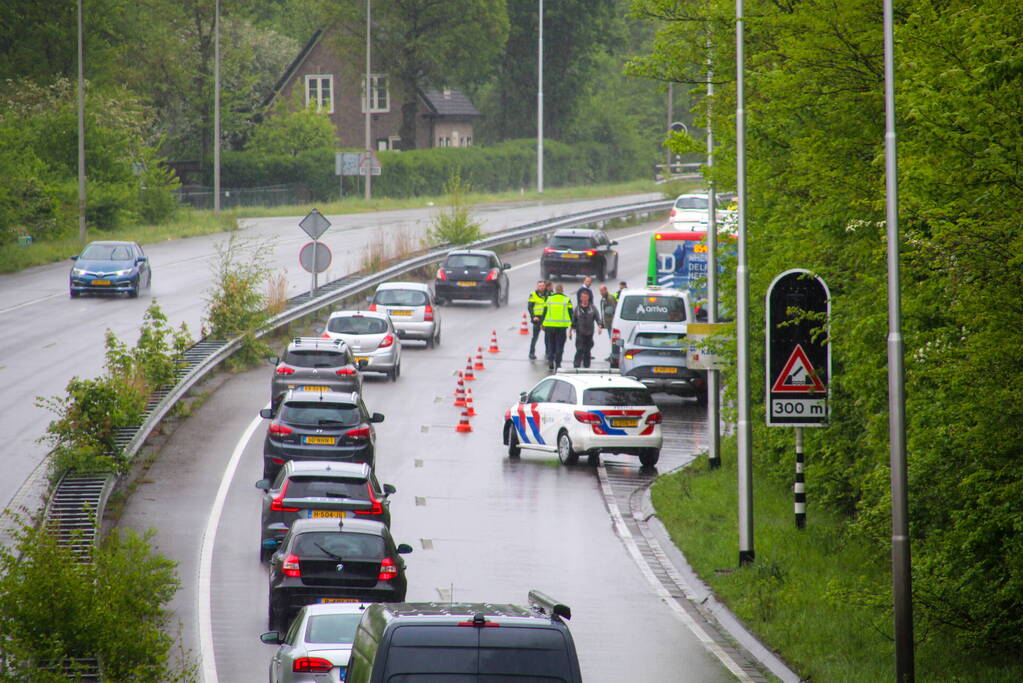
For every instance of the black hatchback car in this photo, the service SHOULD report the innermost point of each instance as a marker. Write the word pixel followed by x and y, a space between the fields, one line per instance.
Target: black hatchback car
pixel 315 364
pixel 472 274
pixel 318 425
pixel 334 560
pixel 579 251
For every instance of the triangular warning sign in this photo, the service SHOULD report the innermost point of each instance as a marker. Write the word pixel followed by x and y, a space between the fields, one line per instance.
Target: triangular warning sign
pixel 798 375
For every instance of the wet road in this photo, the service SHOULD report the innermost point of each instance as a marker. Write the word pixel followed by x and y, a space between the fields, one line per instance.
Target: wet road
pixel 483 527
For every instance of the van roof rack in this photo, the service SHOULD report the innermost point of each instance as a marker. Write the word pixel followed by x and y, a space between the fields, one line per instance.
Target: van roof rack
pixel 545 604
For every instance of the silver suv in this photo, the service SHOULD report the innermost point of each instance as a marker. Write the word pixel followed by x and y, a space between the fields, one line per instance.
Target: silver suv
pixel 315 364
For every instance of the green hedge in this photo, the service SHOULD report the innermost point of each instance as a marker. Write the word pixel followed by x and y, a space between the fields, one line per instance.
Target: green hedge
pixel 506 166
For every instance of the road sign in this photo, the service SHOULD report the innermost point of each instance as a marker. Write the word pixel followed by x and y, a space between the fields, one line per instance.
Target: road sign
pixel 798 355
pixel 322 258
pixel 699 357
pixel 314 224
pixel 370 159
pixel 346 163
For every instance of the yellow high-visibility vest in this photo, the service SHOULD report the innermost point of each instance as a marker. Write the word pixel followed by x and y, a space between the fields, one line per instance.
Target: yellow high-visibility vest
pixel 557 311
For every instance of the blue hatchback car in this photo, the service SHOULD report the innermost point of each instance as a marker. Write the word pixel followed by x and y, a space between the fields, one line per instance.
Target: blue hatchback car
pixel 110 267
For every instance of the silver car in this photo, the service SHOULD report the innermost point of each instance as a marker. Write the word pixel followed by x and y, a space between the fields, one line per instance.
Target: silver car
pixel 655 354
pixel 371 337
pixel 317 647
pixel 411 308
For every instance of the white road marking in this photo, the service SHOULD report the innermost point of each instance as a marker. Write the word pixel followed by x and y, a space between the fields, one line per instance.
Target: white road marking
pixel 33 301
pixel 204 602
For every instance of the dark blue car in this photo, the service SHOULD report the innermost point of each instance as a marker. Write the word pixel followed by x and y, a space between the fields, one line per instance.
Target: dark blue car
pixel 110 267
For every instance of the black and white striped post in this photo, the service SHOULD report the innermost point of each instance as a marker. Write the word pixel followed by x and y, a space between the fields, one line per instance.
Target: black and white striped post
pixel 799 488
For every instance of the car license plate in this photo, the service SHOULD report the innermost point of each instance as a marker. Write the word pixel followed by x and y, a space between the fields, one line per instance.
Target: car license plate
pixel 320 440
pixel 316 514
pixel 101 282
pixel 660 370
pixel 326 600
pixel 624 421
pixel 359 359
pixel 570 256
pixel 311 387
pixel 401 312
pixel 464 283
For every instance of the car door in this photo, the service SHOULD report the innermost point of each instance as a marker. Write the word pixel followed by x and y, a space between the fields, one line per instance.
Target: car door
pixel 528 417
pixel 560 412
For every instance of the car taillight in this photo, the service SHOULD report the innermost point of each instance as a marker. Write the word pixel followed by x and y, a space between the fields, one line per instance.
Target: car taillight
pixel 616 335
pixel 285 370
pixel 388 570
pixel 358 433
pixel 325 335
pixel 386 341
pixel 372 307
pixel 312 665
pixel 654 419
pixel 590 252
pixel 377 509
pixel 428 313
pixel 672 214
pixel 441 275
pixel 345 372
pixel 492 275
pixel 631 353
pixel 587 417
pixel 550 250
pixel 280 430
pixel 277 503
pixel 290 566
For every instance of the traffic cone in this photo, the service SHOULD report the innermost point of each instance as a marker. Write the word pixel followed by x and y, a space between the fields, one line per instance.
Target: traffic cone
pixel 493 343
pixel 478 365
pixel 469 409
pixel 524 329
pixel 460 391
pixel 463 424
pixel 468 374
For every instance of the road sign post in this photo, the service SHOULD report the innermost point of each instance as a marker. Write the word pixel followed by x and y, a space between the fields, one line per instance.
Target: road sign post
pixel 314 225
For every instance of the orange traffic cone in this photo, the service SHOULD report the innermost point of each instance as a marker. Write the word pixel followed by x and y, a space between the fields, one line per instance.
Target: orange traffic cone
pixel 478 365
pixel 468 374
pixel 463 424
pixel 469 409
pixel 460 391
pixel 493 343
pixel 524 329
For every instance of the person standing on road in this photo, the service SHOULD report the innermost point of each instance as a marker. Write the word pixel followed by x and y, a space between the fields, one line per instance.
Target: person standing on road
pixel 587 287
pixel 585 321
pixel 557 318
pixel 536 297
pixel 607 305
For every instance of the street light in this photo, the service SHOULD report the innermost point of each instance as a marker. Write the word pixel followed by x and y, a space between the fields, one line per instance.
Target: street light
pixel 216 108
pixel 539 105
pixel 369 151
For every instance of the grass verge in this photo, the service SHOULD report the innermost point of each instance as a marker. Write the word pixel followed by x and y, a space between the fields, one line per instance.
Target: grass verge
pixel 803 594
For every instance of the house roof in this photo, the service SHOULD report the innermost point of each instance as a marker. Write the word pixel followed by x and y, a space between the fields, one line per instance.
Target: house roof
pixel 447 103
pixel 293 68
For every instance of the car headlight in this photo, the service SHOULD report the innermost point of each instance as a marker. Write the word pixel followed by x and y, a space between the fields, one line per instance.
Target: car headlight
pixel 120 273
pixel 78 271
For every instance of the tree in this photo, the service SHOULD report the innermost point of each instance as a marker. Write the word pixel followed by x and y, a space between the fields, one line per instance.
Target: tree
pixel 290 132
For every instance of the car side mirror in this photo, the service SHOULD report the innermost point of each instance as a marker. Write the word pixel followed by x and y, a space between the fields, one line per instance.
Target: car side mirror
pixel 522 397
pixel 363 364
pixel 389 489
pixel 376 417
pixel 271 638
pixel 273 360
pixel 75 257
pixel 613 243
pixel 263 484
pixel 404 548
pixel 505 266
pixel 142 259
pixel 266 413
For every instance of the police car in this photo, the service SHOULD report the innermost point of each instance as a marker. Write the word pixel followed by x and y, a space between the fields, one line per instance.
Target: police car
pixel 573 412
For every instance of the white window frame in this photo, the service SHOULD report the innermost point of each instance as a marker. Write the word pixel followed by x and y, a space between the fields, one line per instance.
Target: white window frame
pixel 375 106
pixel 319 80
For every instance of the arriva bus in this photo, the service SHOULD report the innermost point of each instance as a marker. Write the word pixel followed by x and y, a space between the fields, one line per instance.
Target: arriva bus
pixel 678 260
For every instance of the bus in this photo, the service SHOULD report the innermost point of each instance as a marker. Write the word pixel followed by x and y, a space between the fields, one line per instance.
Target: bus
pixel 679 260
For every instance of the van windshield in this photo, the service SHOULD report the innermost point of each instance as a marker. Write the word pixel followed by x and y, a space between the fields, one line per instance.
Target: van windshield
pixel 653 308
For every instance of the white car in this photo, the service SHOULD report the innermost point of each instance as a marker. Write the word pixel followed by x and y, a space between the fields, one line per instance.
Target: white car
pixel 371 337
pixel 689 213
pixel 571 413
pixel 647 305
pixel 411 308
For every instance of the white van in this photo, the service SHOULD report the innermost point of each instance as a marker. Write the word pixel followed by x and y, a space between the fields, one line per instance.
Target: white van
pixel 647 305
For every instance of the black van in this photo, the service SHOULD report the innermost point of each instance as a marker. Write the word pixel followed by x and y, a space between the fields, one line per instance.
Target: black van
pixel 464 643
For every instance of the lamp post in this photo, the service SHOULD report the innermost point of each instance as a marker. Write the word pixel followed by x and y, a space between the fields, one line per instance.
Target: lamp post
pixel 369 150
pixel 82 230
pixel 713 398
pixel 539 104
pixel 216 108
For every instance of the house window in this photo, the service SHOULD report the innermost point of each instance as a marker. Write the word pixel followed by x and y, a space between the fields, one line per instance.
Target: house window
pixel 319 92
pixel 379 96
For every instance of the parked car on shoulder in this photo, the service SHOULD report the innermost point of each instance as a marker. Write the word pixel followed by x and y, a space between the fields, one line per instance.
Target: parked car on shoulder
pixel 472 274
pixel 110 267
pixel 371 337
pixel 579 251
pixel 410 306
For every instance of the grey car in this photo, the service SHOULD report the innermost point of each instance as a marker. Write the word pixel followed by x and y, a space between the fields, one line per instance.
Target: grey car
pixel 655 354
pixel 317 647
pixel 315 489
pixel 315 364
pixel 371 337
pixel 410 306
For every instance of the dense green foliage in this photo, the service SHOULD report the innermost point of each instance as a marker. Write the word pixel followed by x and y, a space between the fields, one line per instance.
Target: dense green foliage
pixel 454 223
pixel 815 138
pixel 236 303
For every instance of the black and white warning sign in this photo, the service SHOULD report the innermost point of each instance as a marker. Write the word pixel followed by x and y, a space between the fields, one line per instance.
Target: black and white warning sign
pixel 798 355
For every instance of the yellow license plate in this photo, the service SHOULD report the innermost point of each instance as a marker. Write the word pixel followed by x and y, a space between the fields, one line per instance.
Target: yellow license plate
pixel 401 312
pixel 361 358
pixel 463 283
pixel 320 440
pixel 665 371
pixel 325 600
pixel 624 422
pixel 310 387
pixel 570 256
pixel 101 282
pixel 340 514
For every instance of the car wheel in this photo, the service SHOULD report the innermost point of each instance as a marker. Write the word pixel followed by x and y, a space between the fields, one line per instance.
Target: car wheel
pixel 439 301
pixel 133 293
pixel 565 453
pixel 74 294
pixel 265 554
pixel 649 457
pixel 593 459
pixel 430 341
pixel 602 272
pixel 496 300
pixel 514 450
pixel 614 273
pixel 269 470
pixel 702 398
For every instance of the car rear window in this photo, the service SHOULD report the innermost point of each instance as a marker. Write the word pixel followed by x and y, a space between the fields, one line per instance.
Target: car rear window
pixel 332 628
pixel 653 308
pixel 316 359
pixel 327 487
pixel 571 242
pixel 401 297
pixel 661 340
pixel 617 396
pixel 356 324
pixel 317 414
pixel 691 203
pixel 480 261
pixel 314 544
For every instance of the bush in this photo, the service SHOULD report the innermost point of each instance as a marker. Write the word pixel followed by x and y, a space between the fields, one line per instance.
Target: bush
pixel 236 305
pixel 454 224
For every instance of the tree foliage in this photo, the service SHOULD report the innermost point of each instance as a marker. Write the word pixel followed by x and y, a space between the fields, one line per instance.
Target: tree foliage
pixel 292 132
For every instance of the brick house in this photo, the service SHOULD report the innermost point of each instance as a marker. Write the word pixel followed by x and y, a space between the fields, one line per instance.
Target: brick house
pixel 446 117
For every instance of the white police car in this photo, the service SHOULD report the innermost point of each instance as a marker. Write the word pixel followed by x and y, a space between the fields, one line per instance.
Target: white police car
pixel 571 413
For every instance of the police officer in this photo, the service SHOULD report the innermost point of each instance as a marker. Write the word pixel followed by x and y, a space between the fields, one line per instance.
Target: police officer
pixel 536 297
pixel 557 318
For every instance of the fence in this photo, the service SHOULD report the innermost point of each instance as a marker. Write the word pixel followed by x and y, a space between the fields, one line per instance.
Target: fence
pixel 201 197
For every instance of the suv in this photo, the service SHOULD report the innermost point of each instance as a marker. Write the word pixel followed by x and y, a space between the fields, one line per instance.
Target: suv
pixel 575 412
pixel 319 490
pixel 655 354
pixel 579 251
pixel 647 304
pixel 315 364
pixel 472 274
pixel 465 642
pixel 318 425
pixel 410 306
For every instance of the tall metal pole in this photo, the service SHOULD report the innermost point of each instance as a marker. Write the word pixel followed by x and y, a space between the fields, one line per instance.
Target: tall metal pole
pixel 799 487
pixel 369 149
pixel 667 126
pixel 216 108
pixel 539 105
pixel 902 592
pixel 713 398
pixel 83 233
pixel 744 430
